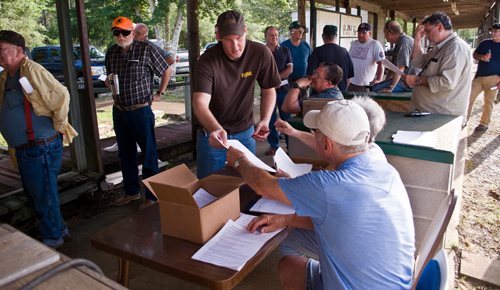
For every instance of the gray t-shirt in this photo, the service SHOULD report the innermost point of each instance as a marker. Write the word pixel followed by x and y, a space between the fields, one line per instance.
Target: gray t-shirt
pixel 402 54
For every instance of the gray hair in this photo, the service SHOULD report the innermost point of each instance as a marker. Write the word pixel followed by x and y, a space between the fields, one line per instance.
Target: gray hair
pixel 347 150
pixel 375 113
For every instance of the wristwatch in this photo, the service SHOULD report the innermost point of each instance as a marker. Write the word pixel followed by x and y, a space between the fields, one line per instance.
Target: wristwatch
pixel 419 81
pixel 237 163
pixel 296 86
pixel 160 93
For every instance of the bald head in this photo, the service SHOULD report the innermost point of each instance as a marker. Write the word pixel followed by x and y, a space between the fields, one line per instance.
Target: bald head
pixel 141 32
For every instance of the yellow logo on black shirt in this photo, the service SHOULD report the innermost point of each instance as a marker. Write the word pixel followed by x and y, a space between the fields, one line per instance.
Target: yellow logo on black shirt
pixel 246 74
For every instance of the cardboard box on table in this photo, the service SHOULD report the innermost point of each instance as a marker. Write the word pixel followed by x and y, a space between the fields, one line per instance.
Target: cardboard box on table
pixel 179 213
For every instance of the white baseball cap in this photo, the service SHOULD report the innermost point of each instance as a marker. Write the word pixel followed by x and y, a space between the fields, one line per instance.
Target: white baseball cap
pixel 343 121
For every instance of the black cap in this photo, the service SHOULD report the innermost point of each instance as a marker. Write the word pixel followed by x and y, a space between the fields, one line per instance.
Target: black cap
pixel 12 37
pixel 330 30
pixel 230 22
pixel 295 25
pixel 494 26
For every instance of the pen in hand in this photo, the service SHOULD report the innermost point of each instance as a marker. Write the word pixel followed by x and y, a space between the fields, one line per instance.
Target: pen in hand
pixel 261 133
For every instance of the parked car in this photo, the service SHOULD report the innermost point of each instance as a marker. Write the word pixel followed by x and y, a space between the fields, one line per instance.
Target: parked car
pixel 50 57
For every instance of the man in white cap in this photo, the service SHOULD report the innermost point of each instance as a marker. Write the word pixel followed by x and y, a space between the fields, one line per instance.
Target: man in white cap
pixel 360 211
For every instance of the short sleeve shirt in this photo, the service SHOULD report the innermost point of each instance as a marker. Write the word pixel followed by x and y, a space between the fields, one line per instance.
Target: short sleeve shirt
pixel 135 71
pixel 300 55
pixel 231 83
pixel 364 58
pixel 492 67
pixel 402 53
pixel 283 58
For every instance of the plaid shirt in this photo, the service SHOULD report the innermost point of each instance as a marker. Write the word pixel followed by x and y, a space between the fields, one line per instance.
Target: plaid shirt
pixel 135 71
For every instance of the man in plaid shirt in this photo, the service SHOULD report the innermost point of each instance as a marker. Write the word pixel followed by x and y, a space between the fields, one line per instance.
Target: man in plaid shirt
pixel 135 62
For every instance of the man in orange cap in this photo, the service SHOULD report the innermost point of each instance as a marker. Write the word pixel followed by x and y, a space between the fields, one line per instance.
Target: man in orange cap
pixel 135 63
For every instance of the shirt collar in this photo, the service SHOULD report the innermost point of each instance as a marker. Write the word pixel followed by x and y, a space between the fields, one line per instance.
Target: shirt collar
pixel 447 39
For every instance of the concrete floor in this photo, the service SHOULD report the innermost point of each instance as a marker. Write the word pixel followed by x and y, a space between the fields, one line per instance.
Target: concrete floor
pixel 265 276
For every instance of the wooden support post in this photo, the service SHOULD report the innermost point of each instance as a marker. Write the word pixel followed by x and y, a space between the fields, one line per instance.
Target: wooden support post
pixel 301 10
pixel 194 52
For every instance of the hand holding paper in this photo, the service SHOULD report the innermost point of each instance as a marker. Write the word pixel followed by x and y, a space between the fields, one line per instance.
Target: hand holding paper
pixel 392 67
pixel 237 150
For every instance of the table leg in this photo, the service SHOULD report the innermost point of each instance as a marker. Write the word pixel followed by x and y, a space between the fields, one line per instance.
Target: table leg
pixel 123 271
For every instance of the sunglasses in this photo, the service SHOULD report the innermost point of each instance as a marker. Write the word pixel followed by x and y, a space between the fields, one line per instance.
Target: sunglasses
pixel 122 32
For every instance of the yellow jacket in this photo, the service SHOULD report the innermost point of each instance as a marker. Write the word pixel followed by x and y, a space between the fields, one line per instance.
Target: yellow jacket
pixel 49 98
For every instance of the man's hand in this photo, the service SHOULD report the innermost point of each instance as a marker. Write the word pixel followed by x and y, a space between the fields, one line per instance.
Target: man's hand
pixel 281 173
pixel 304 82
pixel 107 83
pixel 284 127
pixel 232 155
pixel 419 34
pixel 374 82
pixel 157 97
pixel 261 127
pixel 411 80
pixel 215 136
pixel 386 90
pixel 269 223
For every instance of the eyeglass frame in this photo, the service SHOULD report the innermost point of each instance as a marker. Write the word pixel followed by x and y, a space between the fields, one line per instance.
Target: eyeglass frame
pixel 316 75
pixel 117 32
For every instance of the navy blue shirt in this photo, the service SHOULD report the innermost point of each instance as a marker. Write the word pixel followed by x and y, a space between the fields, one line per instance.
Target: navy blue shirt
pixel 485 69
pixel 283 57
pixel 336 54
pixel 330 93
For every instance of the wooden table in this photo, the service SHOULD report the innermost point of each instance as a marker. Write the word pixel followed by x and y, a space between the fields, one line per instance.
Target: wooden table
pixel 73 278
pixel 138 238
pixel 390 102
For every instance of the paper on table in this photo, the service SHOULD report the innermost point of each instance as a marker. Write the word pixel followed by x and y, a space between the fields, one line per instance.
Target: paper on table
pixel 244 219
pixel 392 67
pixel 283 162
pixel 232 247
pixel 284 82
pixel 203 198
pixel 251 157
pixel 416 138
pixel 265 205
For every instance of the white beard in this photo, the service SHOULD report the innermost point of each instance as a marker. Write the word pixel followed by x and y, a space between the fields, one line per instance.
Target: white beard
pixel 122 42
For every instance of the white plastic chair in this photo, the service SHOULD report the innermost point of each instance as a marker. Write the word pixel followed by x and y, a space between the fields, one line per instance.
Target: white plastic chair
pixel 432 238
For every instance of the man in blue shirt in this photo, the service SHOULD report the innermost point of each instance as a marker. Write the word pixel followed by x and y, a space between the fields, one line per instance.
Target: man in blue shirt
pixel 325 80
pixel 487 75
pixel 360 212
pixel 284 63
pixel 300 51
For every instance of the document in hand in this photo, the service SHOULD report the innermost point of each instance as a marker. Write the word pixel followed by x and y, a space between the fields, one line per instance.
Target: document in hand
pixel 265 205
pixel 251 157
pixel 388 64
pixel 283 162
pixel 233 246
pixel 416 138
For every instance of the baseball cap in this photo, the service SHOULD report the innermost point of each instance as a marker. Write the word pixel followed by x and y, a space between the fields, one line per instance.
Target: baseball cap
pixel 12 37
pixel 295 25
pixel 343 121
pixel 330 30
pixel 230 22
pixel 494 26
pixel 364 27
pixel 123 23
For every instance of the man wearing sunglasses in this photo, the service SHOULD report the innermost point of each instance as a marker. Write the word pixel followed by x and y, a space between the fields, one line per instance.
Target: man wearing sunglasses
pixel 135 63
pixel 300 51
pixel 487 77
pixel 444 84
pixel 324 80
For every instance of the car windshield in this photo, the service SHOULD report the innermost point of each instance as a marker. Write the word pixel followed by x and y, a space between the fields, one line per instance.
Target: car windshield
pixel 93 52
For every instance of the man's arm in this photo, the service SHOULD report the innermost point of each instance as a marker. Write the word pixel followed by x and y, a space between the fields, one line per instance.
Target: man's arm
pixel 267 105
pixel 165 78
pixel 273 222
pixel 286 72
pixel 170 60
pixel 207 119
pixel 258 179
pixel 379 74
pixel 395 80
pixel 291 103
pixel 417 45
pixel 305 137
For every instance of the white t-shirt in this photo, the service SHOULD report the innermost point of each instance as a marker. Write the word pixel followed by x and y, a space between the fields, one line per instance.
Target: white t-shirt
pixel 365 57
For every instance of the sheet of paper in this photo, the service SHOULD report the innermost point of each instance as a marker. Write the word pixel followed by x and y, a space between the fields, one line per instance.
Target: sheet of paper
pixel 494 88
pixel 416 138
pixel 244 219
pixel 388 64
pixel 283 162
pixel 103 77
pixel 232 247
pixel 265 205
pixel 26 85
pixel 284 82
pixel 251 157
pixel 203 198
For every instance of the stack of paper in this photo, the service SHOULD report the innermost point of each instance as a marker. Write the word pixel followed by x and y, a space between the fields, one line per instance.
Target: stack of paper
pixel 416 138
pixel 203 198
pixel 283 162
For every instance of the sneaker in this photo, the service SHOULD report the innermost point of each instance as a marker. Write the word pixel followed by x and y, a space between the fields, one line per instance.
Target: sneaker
pixel 113 148
pixel 126 199
pixel 270 151
pixel 481 128
pixel 146 203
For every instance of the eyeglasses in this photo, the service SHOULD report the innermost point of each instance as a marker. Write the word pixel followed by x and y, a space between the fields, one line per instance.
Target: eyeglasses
pixel 301 30
pixel 315 74
pixel 429 30
pixel 122 32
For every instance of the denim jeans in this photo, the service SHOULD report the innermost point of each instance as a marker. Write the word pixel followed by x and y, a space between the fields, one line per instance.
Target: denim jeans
pixel 137 126
pixel 39 167
pixel 300 242
pixel 385 84
pixel 274 135
pixel 210 159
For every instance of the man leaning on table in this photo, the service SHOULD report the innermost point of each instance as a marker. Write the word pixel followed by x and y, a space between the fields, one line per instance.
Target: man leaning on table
pixel 223 98
pixel 444 84
pixel 360 212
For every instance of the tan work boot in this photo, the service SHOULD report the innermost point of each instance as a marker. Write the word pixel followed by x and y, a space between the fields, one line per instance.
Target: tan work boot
pixel 126 199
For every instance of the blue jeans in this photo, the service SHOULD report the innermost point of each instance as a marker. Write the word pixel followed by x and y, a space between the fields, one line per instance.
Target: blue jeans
pixel 385 84
pixel 39 167
pixel 210 159
pixel 300 242
pixel 137 126
pixel 274 135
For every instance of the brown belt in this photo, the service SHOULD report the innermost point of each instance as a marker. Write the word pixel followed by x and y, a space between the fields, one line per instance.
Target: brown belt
pixel 38 142
pixel 131 108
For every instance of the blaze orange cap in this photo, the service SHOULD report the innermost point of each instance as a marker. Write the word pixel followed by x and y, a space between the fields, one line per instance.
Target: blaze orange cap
pixel 123 23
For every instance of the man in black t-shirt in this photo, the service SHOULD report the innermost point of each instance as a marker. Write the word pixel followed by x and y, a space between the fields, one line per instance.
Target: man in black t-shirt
pixel 223 98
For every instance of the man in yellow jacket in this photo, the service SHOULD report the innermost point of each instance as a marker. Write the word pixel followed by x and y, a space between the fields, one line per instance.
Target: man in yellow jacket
pixel 36 139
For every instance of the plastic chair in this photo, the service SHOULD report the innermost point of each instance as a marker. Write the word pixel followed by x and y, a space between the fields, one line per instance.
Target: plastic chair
pixel 433 236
